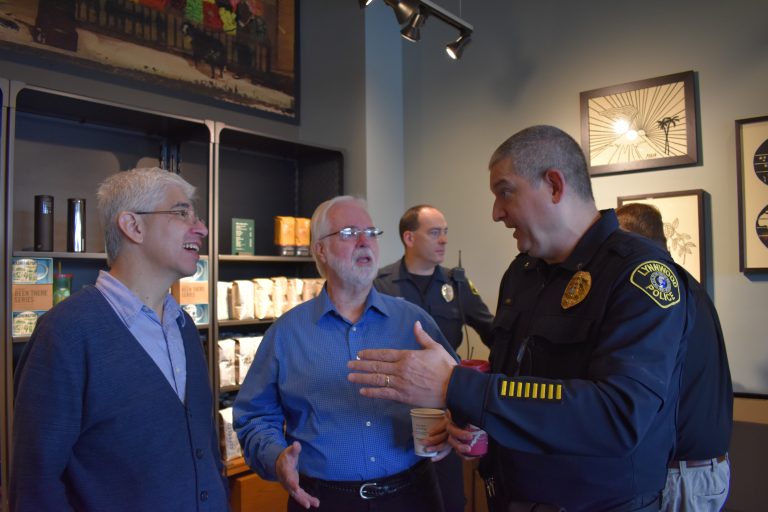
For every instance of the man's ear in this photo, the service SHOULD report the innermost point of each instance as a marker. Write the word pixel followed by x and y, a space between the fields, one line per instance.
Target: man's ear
pixel 319 251
pixel 555 180
pixel 408 238
pixel 131 226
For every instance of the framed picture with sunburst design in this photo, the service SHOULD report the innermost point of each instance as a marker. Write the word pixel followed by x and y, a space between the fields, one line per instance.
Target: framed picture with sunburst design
pixel 643 125
pixel 684 216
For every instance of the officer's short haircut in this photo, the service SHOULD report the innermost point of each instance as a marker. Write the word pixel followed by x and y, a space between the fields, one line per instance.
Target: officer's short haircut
pixel 643 219
pixel 536 149
pixel 410 219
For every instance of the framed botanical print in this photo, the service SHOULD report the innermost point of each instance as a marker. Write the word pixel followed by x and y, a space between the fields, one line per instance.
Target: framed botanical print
pixel 640 125
pixel 683 216
pixel 752 179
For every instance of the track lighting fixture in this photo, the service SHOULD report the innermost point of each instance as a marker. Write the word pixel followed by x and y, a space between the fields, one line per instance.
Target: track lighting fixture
pixel 411 31
pixel 412 14
pixel 404 9
pixel 456 48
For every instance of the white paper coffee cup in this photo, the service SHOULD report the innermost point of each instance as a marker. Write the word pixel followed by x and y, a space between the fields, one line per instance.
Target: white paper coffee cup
pixel 422 420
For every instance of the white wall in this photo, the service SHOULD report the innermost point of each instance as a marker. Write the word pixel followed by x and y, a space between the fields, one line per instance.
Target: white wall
pixel 527 64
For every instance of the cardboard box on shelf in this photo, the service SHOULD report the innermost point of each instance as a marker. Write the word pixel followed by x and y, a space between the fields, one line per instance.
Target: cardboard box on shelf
pixel 285 235
pixel 23 322
pixel 32 284
pixel 192 293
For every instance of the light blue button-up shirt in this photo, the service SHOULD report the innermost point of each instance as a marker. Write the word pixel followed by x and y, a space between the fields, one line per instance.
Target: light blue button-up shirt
pixel 299 376
pixel 161 340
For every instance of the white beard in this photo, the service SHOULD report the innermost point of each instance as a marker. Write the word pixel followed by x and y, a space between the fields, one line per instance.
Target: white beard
pixel 352 274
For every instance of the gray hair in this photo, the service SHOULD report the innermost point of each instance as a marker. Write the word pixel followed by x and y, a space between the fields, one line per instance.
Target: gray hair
pixel 318 226
pixel 536 149
pixel 141 189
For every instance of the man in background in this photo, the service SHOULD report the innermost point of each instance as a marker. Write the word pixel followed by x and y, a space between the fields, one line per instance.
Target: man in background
pixel 698 478
pixel 339 451
pixel 446 294
pixel 113 407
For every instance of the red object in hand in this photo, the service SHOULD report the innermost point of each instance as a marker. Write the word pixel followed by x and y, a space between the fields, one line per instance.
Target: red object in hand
pixel 480 365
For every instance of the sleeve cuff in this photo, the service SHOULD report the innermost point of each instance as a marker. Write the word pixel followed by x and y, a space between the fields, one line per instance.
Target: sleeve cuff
pixel 466 395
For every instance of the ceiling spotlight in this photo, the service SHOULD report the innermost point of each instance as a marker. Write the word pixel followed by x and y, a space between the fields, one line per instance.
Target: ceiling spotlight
pixel 411 30
pixel 456 48
pixel 364 3
pixel 404 9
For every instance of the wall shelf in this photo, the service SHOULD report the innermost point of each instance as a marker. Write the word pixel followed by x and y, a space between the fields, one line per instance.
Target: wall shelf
pixel 64 145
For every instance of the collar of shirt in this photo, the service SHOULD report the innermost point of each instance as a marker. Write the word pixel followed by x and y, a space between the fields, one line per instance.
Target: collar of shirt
pixel 128 306
pixel 404 275
pixel 586 248
pixel 323 305
pixel 590 242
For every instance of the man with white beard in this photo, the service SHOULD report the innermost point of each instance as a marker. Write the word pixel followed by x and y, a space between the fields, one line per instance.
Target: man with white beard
pixel 339 451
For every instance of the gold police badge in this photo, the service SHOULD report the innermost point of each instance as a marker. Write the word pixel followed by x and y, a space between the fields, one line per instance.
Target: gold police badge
pixel 578 288
pixel 447 292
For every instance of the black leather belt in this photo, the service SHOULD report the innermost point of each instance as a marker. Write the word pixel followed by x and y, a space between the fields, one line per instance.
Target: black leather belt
pixel 675 464
pixel 377 488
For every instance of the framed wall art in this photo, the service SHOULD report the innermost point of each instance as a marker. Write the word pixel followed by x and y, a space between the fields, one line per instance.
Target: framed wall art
pixel 243 52
pixel 752 178
pixel 640 125
pixel 684 226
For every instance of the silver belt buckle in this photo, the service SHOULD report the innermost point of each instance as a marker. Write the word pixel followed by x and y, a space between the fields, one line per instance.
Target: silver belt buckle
pixel 362 490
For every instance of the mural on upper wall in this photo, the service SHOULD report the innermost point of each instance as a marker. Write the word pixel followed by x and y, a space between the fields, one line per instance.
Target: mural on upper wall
pixel 238 51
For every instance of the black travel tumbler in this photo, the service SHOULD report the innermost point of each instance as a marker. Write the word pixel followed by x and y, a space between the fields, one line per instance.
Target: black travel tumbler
pixel 44 223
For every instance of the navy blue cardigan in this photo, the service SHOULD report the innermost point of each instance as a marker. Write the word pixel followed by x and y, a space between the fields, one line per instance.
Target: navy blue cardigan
pixel 97 427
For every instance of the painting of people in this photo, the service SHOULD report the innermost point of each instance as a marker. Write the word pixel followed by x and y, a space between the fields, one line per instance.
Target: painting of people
pixel 238 51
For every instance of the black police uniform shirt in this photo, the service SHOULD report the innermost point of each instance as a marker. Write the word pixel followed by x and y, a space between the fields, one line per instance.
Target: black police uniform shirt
pixel 585 420
pixel 445 300
pixel 705 417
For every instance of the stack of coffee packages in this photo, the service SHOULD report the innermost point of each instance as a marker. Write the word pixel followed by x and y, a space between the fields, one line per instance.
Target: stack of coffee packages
pixel 32 292
pixel 292 236
pixel 192 293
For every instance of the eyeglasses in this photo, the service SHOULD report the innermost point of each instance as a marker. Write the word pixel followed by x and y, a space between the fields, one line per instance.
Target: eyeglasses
pixel 185 214
pixel 349 233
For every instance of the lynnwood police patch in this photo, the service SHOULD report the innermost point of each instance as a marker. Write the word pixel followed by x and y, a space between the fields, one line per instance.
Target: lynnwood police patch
pixel 658 282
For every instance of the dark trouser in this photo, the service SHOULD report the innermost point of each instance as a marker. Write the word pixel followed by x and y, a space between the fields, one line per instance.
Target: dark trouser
pixel 451 478
pixel 645 503
pixel 413 490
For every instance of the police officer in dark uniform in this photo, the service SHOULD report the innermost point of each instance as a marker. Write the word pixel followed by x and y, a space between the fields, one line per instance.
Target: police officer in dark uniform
pixel 418 277
pixel 699 475
pixel 447 295
pixel 586 360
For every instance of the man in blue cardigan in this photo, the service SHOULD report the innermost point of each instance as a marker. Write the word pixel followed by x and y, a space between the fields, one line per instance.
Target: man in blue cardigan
pixel 113 406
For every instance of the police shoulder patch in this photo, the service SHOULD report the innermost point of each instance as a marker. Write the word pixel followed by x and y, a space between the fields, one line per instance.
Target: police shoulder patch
pixel 658 281
pixel 472 287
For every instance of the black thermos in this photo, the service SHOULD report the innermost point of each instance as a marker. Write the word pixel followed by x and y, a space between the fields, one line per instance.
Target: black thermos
pixel 76 225
pixel 44 223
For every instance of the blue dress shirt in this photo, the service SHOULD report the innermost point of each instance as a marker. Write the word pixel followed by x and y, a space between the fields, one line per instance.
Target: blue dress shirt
pixel 161 340
pixel 299 376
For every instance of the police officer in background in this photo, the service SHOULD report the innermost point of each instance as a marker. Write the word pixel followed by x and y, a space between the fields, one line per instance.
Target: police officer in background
pixel 586 361
pixel 447 295
pixel 699 474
